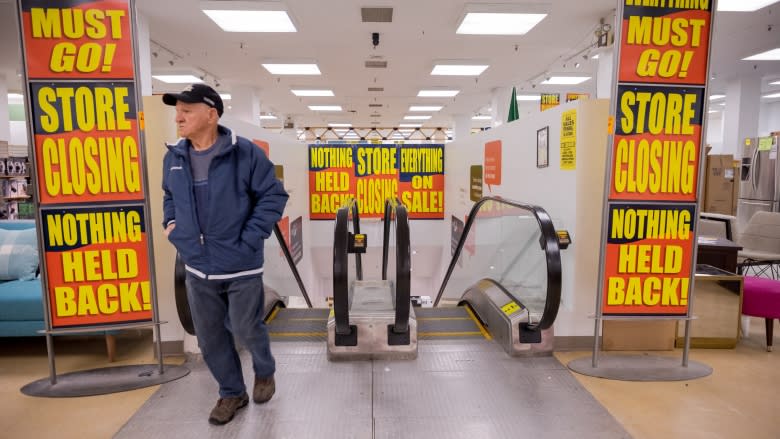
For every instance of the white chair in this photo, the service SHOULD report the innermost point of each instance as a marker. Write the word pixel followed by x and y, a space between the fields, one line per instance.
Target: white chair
pixel 760 243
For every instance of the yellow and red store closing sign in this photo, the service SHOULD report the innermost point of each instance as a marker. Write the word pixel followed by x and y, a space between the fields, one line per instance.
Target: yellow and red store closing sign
pixel 373 173
pixel 77 39
pixel 86 142
pixel 656 151
pixel 85 120
pixel 648 259
pixel 97 265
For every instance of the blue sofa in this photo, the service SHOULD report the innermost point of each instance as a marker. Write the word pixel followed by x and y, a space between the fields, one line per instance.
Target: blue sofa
pixel 21 299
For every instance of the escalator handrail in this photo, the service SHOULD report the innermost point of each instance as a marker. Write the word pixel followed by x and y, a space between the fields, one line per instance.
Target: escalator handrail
pixel 291 263
pixel 396 211
pixel 341 266
pixel 551 249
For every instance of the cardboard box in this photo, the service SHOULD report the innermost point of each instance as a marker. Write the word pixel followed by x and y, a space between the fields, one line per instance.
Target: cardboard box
pixel 636 335
pixel 721 184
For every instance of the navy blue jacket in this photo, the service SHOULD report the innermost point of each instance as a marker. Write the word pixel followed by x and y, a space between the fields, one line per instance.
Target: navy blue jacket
pixel 245 201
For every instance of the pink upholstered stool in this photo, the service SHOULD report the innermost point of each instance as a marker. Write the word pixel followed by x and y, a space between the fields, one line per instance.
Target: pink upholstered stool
pixel 761 298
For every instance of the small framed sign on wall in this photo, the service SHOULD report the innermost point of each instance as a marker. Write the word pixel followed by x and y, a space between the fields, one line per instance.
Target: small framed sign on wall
pixel 542 148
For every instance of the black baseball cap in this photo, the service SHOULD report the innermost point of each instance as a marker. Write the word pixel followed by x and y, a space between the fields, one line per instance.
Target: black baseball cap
pixel 196 93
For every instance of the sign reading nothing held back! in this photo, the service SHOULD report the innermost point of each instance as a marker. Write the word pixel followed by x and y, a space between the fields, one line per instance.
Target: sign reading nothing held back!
pixel 648 259
pixel 97 265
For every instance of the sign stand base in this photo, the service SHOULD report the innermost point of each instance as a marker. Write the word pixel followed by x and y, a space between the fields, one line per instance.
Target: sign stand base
pixel 640 367
pixel 104 380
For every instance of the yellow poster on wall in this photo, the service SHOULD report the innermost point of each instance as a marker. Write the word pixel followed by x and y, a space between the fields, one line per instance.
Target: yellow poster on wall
pixel 569 140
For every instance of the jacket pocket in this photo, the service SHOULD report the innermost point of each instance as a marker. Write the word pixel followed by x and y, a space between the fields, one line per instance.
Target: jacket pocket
pixel 233 255
pixel 189 247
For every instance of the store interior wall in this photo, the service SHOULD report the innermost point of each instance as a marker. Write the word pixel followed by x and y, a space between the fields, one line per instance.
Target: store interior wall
pixel 573 198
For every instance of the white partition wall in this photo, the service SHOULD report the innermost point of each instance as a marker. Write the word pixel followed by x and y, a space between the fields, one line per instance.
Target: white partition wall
pixel 573 198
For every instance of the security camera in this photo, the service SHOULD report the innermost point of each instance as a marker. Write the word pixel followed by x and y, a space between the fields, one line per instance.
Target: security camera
pixel 375 39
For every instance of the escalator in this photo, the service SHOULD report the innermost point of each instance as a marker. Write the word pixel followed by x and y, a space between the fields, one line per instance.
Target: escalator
pixel 503 283
pixel 506 271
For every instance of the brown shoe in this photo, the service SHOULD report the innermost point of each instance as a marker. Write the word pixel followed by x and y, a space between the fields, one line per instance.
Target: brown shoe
pixel 226 408
pixel 264 389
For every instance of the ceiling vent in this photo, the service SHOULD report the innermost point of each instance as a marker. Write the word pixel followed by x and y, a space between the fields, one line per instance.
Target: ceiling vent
pixel 373 64
pixel 377 15
pixel 374 105
pixel 376 89
pixel 375 115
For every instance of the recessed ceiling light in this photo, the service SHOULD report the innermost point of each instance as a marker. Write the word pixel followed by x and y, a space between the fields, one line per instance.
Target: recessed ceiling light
pixel 596 56
pixel 771 96
pixel 425 108
pixel 458 69
pixel 325 107
pixel 178 79
pixel 412 117
pixel 529 97
pixel 292 68
pixel 481 118
pixel 225 96
pixel 743 5
pixel 437 93
pixel 312 92
pixel 490 23
pixel 249 21
pixel 565 80
pixel 267 117
pixel 410 125
pixel 339 125
pixel 716 97
pixel 769 55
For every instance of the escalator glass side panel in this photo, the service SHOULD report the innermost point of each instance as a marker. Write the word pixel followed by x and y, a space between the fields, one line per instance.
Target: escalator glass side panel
pixel 515 245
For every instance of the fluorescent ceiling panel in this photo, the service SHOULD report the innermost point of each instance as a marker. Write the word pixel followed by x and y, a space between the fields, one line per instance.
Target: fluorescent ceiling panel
pixel 769 55
pixel 425 108
pixel 458 69
pixel 339 125
pixel 410 125
pixel 267 116
pixel 565 80
pixel 490 23
pixel 305 92
pixel 743 5
pixel 292 69
pixel 412 117
pixel 225 96
pixel 775 83
pixel 481 118
pixel 716 97
pixel 178 79
pixel 251 21
pixel 772 96
pixel 437 93
pixel 529 97
pixel 325 107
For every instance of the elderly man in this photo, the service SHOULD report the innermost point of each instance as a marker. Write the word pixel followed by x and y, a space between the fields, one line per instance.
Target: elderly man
pixel 221 201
